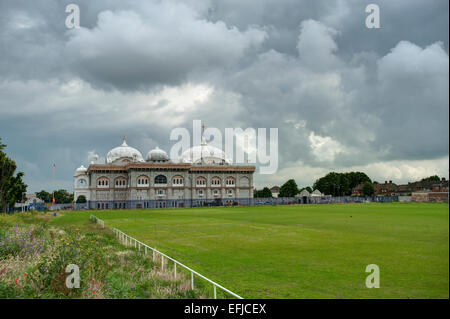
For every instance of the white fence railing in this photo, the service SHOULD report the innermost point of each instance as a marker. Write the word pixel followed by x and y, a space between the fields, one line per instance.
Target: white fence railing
pixel 128 240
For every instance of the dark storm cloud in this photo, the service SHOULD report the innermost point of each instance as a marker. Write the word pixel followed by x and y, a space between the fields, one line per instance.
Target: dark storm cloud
pixel 341 95
pixel 132 50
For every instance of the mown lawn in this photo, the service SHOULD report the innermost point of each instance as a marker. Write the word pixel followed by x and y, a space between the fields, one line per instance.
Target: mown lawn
pixel 304 251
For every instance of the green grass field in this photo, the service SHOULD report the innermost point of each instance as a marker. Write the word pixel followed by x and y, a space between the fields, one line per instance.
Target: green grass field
pixel 304 251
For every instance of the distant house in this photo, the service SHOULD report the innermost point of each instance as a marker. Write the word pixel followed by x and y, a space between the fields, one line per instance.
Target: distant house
pixel 442 186
pixel 358 189
pixel 386 189
pixel 31 202
pixel 424 186
pixel 431 191
pixel 316 193
pixel 405 189
pixel 275 191
pixel 303 193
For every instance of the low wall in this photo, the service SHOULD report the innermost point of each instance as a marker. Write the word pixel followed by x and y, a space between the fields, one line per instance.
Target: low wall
pixel 405 198
pixel 179 203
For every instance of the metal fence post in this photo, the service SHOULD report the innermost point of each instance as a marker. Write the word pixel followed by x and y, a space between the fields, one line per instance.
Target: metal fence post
pixel 128 241
pixel 175 270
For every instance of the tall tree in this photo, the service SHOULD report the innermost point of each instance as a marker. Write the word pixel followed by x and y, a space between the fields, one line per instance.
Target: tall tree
pixel 44 195
pixel 2 146
pixel 15 189
pixel 266 193
pixel 340 184
pixel 433 178
pixel 62 197
pixel 368 189
pixel 288 189
pixel 7 168
pixel 263 193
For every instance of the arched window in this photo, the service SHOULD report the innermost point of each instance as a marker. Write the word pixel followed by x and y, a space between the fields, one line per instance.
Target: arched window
pixel 160 179
pixel 103 182
pixel 229 181
pixel 216 193
pixel 142 180
pixel 201 182
pixel 215 181
pixel 177 181
pixel 120 182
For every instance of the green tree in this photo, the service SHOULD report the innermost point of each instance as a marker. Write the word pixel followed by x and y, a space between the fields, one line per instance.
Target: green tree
pixel 368 189
pixel 63 197
pixel 2 146
pixel 266 193
pixel 433 178
pixel 7 168
pixel 263 193
pixel 45 196
pixel 288 189
pixel 340 184
pixel 15 189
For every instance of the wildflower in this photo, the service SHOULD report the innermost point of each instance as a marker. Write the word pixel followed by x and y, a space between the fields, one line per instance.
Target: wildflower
pixel 25 274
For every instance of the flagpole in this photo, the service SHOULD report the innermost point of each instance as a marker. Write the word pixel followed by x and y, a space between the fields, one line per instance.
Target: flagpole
pixel 53 194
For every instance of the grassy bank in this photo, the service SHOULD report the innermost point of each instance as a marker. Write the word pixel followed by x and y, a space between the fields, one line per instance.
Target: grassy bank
pixel 34 255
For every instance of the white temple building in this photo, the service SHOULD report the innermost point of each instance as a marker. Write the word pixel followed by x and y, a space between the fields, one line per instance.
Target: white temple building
pixel 202 176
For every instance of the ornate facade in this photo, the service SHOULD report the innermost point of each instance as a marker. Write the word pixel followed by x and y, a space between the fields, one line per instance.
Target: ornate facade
pixel 202 176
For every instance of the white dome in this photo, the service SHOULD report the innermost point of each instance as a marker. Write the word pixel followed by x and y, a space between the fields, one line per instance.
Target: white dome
pixel 124 151
pixel 157 154
pixel 80 170
pixel 209 154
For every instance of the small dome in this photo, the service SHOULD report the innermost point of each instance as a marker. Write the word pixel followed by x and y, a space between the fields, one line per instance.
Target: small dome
pixel 80 170
pixel 209 154
pixel 124 151
pixel 157 154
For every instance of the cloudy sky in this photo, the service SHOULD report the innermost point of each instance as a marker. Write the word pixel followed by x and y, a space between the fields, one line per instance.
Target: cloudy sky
pixel 343 97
